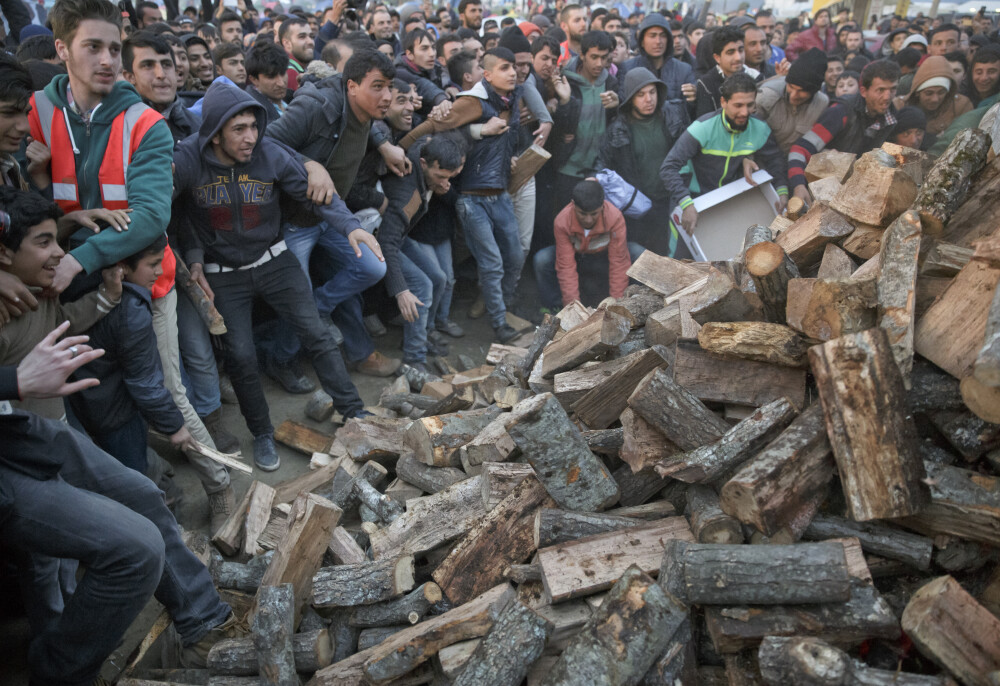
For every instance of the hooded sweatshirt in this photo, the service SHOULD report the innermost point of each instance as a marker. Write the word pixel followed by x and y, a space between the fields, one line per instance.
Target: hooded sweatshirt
pixel 591 122
pixel 231 215
pixel 954 105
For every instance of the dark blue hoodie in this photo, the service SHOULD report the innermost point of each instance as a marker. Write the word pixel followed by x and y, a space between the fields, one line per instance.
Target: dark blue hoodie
pixel 231 215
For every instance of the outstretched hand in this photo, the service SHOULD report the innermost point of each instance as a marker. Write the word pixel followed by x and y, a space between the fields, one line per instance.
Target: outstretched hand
pixel 43 371
pixel 360 236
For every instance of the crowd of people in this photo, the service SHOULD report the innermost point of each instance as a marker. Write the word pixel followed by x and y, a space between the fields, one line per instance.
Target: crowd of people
pixel 342 166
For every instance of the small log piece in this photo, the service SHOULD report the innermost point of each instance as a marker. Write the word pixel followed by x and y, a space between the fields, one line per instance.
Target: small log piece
pixel 676 412
pixel 877 192
pixel 272 635
pixel 258 514
pixel 963 503
pixel 663 327
pixel 943 259
pixel 435 440
pixel 875 537
pixel 408 609
pixel 771 270
pixel 637 307
pixel 346 496
pixel 642 445
pixel 385 509
pixel 986 367
pixel 503 657
pixel 605 441
pixel 238 657
pixel 552 526
pixel 829 308
pixel 602 331
pixel 807 237
pixel 829 163
pixel 721 300
pixel 213 321
pixel 428 479
pixel 499 479
pixel 373 438
pixel 302 438
pixel 344 548
pixel 362 584
pixel 836 264
pixel 602 405
pixel 949 179
pixel 229 537
pixel 759 341
pixel 897 287
pixel 664 275
pixel 709 523
pixel 241 577
pixel 504 374
pixel 543 335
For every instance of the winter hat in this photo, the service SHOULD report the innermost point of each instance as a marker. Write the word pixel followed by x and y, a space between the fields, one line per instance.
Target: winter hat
pixel 33 30
pixel 740 22
pixel 638 78
pixel 527 28
pixel 910 118
pixel 915 38
pixel 808 71
pixel 514 40
pixel 942 81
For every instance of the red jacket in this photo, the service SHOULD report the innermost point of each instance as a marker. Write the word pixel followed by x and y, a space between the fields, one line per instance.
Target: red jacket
pixel 810 38
pixel 608 234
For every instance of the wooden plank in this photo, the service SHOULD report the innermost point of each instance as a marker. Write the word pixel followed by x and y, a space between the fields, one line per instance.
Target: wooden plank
pixel 302 438
pixel 663 274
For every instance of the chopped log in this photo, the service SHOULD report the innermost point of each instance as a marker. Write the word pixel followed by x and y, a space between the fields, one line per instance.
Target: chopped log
pixel 948 181
pixel 210 316
pixel 677 664
pixel 719 574
pixel 637 487
pixel 371 637
pixel 523 574
pixel 759 341
pixel 346 498
pixel 470 378
pixel 675 412
pixel 636 308
pixel 986 367
pixel 373 438
pixel 592 564
pixel 229 537
pixel 275 528
pixel 589 340
pixel 238 657
pixel 344 548
pixel 623 639
pixel 572 315
pixel 823 309
pixel 456 401
pixel 362 584
pixel 805 240
pixel 273 629
pixel 738 444
pixel 435 440
pixel 951 628
pixel 395 401
pixel 382 506
pixel 499 479
pixel 552 527
pixel 409 609
pixel 300 437
pixel 865 242
pixel 502 538
pixel 836 264
pixel 830 163
pixel 963 503
pixel 943 259
pixel 241 577
pixel 771 269
pixel 498 351
pixel 602 405
pixel 968 434
pixel 307 482
pixel 795 209
pixel 877 192
pixel 454 658
pixel 567 469
pixel 426 478
pixel 664 275
pixel 642 445
pixel 503 657
pixel 604 441
pixel 823 191
pixel 571 386
pixel 718 378
pixel 932 389
pixel 663 327
pixel 709 523
pixel 721 299
pixel 786 478
pixel 813 661
pixel 502 376
pixel 258 514
pixel 875 537
pixel 873 438
pixel 507 398
pixel 319 407
pixel 868 270
pixel 543 335
pixel 300 552
pixel 493 443
pixel 897 284
pixel 983 400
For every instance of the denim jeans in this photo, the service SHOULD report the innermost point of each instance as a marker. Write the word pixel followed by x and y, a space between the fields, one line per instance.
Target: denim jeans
pixel 199 373
pixel 435 261
pixel 590 268
pixel 491 232
pixel 114 521
pixel 282 284
pixel 347 276
pixel 423 284
pixel 127 443
pixel 524 210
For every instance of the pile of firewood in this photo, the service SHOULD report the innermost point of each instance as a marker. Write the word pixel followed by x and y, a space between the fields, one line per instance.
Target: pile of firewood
pixel 780 469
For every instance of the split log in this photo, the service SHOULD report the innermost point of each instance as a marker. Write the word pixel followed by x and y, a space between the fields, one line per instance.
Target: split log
pixel 307 482
pixel 759 341
pixel 396 401
pixel 637 307
pixel 503 657
pixel 523 574
pixel 592 564
pixel 602 405
pixel 642 445
pixel 677 664
pixel 384 508
pixel 805 240
pixel 210 316
pixel 258 514
pixel 605 441
pixel 272 635
pixel 738 444
pixel 786 479
pixel 238 657
pixel 229 537
pixel 865 242
pixel 426 478
pixel 572 315
pixel 498 351
pixel 456 401
pixel 623 639
pixel 371 637
pixel 986 368
pixel 507 398
pixel 552 527
pixel 589 340
pixel 836 264
pixel 344 548
pixel 675 412
pixel 771 269
pixel 943 259
pixel 241 577
pixel 543 335
pixel 721 300
pixel 664 275
pixel 719 574
pixel 499 479
pixel 823 192
pixel 829 308
pixel 502 538
pixel 567 469
pixel 951 628
pixel 504 374
pixel 346 497
pixel 897 285
pixel 300 437
pixel 963 503
pixel 873 438
pixel 948 181
pixel 829 163
pixel 493 443
pixel 877 192
pixel 663 327
pixel 408 609
pixel 709 523
pixel 373 438
pixel 435 440
pixel 319 407
pixel 932 389
pixel 814 662
pixel 982 400
pixel 876 538
pixel 968 434
pixel 571 386
pixel 796 209
pixel 637 487
pixel 362 584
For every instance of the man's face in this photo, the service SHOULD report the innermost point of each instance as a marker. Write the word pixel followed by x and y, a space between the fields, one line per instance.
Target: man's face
pixel 234 69
pixel 472 17
pixel 822 20
pixel 372 96
pixel 146 271
pixel 854 40
pixel 848 86
pixel 654 42
pixel 154 76
pixel 680 44
pixel 94 57
pixel 587 220
pixel 201 63
pixel 181 63
pixel 439 180
pixel 35 261
pixel 522 63
pixel 613 24
pixel 273 87
pixel 593 63
pixel 422 54
pixel 13 125
pixel 879 95
pixel 298 43
pixel 739 108
pixel 149 15
pixel 644 102
pixel 930 99
pixel 796 95
pixel 575 25
pixel 985 76
pixel 231 32
pixel 957 71
pixel 449 49
pixel 545 63
pixel 730 60
pixel 943 42
pixel 474 75
pixel 833 70
pixel 382 25
pixel 399 116
pixel 313 26
pixel 212 40
pixel 473 45
pixel 695 37
pixel 444 16
pixel 755 45
pixel 767 24
pixel 911 138
pixel 234 144
pixel 897 42
pixel 502 75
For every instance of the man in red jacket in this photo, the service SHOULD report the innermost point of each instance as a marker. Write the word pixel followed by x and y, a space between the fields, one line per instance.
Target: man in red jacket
pixel 820 35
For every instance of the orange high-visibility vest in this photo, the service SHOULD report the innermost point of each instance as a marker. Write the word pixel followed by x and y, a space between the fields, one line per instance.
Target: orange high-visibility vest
pixel 48 125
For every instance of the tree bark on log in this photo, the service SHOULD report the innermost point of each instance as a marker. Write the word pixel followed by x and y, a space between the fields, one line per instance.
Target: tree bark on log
pixel 572 385
pixel 363 584
pixel 604 441
pixel 503 657
pixel 371 637
pixel 677 664
pixel 949 179
pixel 597 335
pixel 722 300
pixel 771 270
pixel 408 609
pixel 675 412
pixel 986 368
pixel 543 335
pixel 943 259
pixel 876 538
pixel 552 527
pixel 238 657
pixel 435 441
pixel 213 321
pixel 823 309
pixel 709 523
pixel 426 478
pixel 499 479
pixel 272 635
pixel 373 438
pixel 346 497
pixel 897 287
pixel 642 445
pixel 229 537
pixel 242 577
pixel 963 503
pixel 758 341
pixel 932 389
pixel 504 374
pixel 637 307
pixel 601 406
pixel 386 510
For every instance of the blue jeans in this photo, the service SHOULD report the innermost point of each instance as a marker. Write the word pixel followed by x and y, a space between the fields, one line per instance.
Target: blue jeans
pixel 435 261
pixel 347 274
pixel 199 373
pixel 590 268
pixel 491 233
pixel 423 283
pixel 114 521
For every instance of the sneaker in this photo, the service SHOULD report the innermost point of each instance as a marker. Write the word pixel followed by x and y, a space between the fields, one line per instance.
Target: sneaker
pixel 288 377
pixel 505 333
pixel 265 453
pixel 196 656
pixel 220 506
pixel 478 308
pixel 360 414
pixel 437 348
pixel 377 364
pixel 226 391
pixel 451 328
pixel 375 326
pixel 224 441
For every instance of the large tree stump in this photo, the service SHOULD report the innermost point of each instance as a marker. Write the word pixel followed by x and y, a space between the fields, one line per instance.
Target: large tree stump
pixel 874 440
pixel 676 412
pixel 771 270
pixel 311 650
pixel 758 341
pixel 949 179
pixel 503 657
pixel 897 287
pixel 272 635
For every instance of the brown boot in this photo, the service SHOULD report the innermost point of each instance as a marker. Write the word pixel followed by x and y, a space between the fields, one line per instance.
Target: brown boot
pixel 220 506
pixel 225 442
pixel 378 364
pixel 196 656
